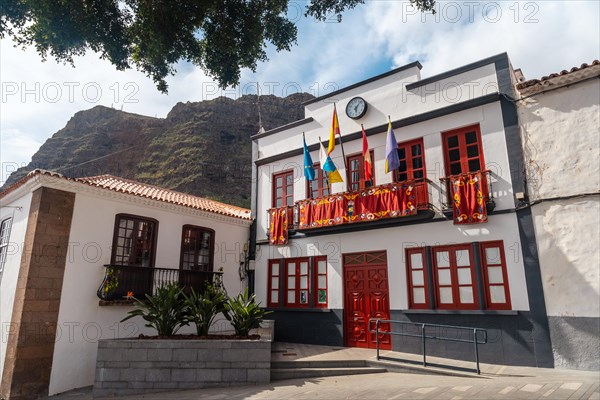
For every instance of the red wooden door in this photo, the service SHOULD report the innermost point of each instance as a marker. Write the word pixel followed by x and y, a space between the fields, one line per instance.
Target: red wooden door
pixel 366 296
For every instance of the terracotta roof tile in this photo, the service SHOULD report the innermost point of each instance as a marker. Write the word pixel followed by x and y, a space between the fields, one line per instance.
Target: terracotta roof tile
pixel 532 82
pixel 122 185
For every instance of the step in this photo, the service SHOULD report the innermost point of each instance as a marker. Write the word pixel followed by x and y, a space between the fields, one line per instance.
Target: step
pixel 432 369
pixel 279 374
pixel 319 364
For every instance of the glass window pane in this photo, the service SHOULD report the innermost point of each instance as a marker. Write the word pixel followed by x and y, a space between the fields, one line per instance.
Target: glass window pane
pixel 402 167
pixel 322 296
pixel 279 192
pixel 455 169
pixel 454 155
pixel 492 255
pixel 474 165
pixel 462 258
pixel 291 296
pixel 278 202
pixel 289 179
pixel 471 137
pixel 416 261
pixel 495 275
pixel 401 153
pixel 418 174
pixel 304 282
pixel 446 295
pixel 290 201
pixel 402 177
pixel 303 268
pixel 472 151
pixel 497 294
pixel 418 295
pixel 417 162
pixel 443 259
pixel 279 181
pixel 291 282
pixel 464 276
pixel 304 297
pixel 444 277
pixel 292 268
pixel 322 267
pixel 466 294
pixel 452 141
pixel 417 278
pixel 322 281
pixel 275 269
pixel 274 296
pixel 416 150
pixel 275 283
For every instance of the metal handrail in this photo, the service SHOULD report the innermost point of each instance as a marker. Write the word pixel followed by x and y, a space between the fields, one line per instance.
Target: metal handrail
pixel 475 340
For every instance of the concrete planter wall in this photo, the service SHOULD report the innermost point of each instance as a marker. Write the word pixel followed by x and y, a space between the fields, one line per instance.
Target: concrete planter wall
pixel 130 366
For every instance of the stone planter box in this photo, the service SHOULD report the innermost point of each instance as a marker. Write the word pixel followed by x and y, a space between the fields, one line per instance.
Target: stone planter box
pixel 132 366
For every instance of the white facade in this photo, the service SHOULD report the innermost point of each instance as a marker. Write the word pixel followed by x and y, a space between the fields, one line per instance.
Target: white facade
pixel 560 127
pixel 82 321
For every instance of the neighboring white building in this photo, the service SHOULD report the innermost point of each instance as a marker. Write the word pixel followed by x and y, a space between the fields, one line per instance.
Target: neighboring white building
pixel 346 264
pixel 559 117
pixel 58 234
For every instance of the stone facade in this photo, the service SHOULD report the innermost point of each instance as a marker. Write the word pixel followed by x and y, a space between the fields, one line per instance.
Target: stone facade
pixel 137 366
pixel 30 349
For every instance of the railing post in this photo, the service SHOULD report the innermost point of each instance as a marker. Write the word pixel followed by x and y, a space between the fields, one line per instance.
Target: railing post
pixel 476 351
pixel 423 339
pixel 377 338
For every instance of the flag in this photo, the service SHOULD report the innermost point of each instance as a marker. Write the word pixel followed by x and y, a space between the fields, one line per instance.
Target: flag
pixel 335 129
pixel 391 151
pixel 328 166
pixel 366 155
pixel 309 171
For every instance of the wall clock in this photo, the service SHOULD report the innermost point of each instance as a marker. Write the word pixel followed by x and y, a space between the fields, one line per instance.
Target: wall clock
pixel 356 108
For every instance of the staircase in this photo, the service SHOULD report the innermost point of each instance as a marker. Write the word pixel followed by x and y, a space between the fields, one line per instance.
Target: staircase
pixel 281 370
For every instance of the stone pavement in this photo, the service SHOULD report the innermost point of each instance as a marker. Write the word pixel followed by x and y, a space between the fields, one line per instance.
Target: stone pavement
pixel 495 382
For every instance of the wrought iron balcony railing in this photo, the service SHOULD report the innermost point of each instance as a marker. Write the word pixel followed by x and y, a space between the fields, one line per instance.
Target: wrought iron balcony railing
pixel 122 282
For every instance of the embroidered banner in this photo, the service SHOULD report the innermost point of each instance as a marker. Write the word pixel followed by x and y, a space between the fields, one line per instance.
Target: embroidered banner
pixel 278 228
pixel 467 193
pixel 385 201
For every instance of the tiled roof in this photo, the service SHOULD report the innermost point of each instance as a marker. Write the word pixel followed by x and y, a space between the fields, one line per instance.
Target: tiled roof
pixel 122 185
pixel 575 72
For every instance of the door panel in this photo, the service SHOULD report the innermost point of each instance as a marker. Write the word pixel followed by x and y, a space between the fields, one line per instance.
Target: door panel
pixel 366 296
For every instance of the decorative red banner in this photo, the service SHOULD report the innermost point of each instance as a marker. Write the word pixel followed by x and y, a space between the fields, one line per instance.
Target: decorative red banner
pixel 384 201
pixel 467 193
pixel 278 228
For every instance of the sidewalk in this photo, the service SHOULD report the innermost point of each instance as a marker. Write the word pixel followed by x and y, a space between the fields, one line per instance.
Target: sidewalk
pixel 495 382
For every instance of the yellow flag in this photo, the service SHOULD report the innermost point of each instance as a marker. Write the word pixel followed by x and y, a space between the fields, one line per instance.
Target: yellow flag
pixel 335 130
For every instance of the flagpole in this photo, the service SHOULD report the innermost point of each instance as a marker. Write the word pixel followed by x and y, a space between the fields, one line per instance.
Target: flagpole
pixel 326 174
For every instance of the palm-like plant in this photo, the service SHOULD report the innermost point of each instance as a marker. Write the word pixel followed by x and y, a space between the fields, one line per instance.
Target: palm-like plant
pixel 164 311
pixel 244 313
pixel 203 307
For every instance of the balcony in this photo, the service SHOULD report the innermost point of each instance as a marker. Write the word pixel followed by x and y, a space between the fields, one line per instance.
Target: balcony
pixel 446 193
pixel 383 205
pixel 124 282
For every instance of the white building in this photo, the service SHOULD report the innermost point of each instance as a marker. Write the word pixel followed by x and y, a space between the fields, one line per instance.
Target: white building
pixel 343 265
pixel 559 117
pixel 57 237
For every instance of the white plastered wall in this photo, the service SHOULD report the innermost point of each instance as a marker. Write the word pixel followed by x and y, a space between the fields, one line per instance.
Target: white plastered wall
pixel 82 322
pixel 10 275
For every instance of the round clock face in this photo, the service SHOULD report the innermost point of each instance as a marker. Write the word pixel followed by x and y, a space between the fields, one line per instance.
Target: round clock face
pixel 356 108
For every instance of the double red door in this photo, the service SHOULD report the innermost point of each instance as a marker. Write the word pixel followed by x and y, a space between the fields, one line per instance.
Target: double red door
pixel 366 296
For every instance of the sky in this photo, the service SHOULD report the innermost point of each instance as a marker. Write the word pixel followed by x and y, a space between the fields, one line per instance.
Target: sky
pixel 541 37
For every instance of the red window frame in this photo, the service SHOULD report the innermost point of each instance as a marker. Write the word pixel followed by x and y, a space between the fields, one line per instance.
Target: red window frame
pixel 320 181
pixel 409 161
pixel 301 287
pixel 488 282
pixel 467 140
pixel 274 277
pixel 455 283
pixel 409 278
pixel 317 287
pixel 287 189
pixel 353 184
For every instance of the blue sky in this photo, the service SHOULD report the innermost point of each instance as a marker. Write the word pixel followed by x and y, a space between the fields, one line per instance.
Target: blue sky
pixel 38 98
